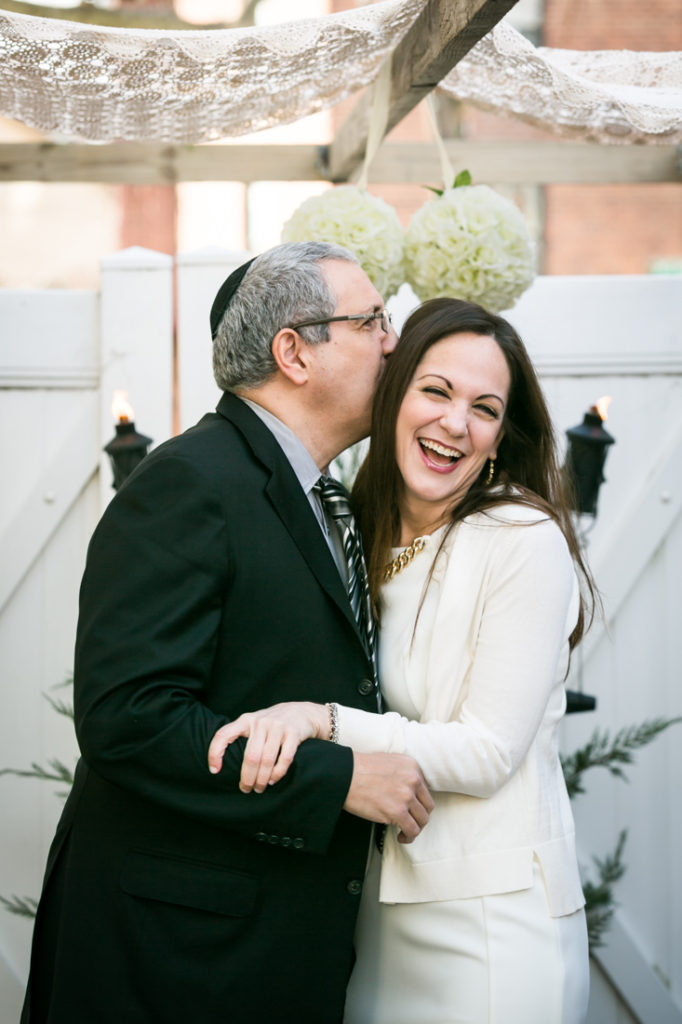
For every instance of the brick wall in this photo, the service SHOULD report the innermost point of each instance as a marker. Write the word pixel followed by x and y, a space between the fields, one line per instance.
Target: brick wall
pixel 611 229
pixel 615 229
pixel 613 24
pixel 149 217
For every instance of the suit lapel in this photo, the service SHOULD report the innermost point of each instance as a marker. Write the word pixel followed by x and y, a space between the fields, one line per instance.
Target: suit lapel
pixel 289 502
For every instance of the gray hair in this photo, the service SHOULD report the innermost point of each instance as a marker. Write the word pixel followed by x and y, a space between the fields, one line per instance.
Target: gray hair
pixel 283 286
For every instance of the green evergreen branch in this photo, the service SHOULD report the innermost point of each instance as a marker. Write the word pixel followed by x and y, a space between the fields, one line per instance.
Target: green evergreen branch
pixel 24 906
pixel 599 902
pixel 57 772
pixel 601 751
pixel 62 707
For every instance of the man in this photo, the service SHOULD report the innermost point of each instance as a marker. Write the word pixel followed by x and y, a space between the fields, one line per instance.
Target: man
pixel 214 586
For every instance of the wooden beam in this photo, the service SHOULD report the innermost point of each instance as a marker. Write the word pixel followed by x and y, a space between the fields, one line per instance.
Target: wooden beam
pixel 152 163
pixel 443 33
pixel 635 977
pixel 529 163
pixel 126 17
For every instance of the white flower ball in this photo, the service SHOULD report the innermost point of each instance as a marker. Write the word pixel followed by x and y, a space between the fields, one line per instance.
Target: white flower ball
pixel 361 222
pixel 469 243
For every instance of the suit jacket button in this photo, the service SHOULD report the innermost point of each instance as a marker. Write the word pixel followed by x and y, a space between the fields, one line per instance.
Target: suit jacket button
pixel 366 687
pixel 354 887
pixel 285 841
pixel 273 840
pixel 298 843
pixel 261 837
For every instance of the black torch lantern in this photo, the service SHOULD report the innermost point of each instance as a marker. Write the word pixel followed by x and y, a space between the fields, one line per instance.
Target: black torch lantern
pixel 588 445
pixel 587 448
pixel 127 449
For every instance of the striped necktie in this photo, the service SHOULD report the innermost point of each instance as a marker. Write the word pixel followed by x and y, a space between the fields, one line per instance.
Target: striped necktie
pixel 337 506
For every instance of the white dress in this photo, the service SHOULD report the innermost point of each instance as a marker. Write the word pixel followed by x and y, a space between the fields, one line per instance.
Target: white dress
pixel 498 958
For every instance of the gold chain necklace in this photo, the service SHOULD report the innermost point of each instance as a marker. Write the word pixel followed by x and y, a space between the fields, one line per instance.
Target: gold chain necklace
pixel 402 560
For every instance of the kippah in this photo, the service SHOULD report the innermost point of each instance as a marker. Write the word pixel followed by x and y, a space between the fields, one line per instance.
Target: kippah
pixel 225 293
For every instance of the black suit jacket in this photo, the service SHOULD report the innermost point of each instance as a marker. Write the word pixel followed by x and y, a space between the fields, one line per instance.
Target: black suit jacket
pixel 170 896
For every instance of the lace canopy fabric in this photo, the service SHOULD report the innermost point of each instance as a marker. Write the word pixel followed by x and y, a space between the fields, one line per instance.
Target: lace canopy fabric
pixel 604 95
pixel 106 84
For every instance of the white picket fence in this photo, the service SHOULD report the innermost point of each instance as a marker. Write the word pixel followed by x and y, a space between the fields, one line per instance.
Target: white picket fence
pixel 62 354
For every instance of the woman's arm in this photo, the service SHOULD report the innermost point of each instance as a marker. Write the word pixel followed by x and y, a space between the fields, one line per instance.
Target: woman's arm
pixel 274 735
pixel 529 608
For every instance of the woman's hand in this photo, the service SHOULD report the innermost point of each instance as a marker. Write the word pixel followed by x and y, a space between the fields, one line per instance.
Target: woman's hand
pixel 274 735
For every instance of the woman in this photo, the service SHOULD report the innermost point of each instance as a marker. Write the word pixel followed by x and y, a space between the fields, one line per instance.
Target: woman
pixel 472 562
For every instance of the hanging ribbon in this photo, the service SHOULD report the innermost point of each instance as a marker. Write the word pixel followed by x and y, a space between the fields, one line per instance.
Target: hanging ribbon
pixel 446 169
pixel 378 118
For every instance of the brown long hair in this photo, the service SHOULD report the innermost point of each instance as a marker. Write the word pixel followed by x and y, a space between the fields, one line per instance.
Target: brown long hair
pixel 526 464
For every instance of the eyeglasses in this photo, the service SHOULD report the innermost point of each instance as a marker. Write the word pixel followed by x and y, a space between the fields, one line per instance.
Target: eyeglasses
pixel 383 316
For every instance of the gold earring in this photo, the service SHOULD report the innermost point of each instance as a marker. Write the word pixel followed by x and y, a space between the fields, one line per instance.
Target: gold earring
pixel 491 472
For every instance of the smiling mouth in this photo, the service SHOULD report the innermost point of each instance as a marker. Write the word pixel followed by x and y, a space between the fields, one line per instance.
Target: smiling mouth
pixel 439 454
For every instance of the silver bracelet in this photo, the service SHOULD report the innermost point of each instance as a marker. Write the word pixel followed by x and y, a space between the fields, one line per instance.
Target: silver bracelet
pixel 333 722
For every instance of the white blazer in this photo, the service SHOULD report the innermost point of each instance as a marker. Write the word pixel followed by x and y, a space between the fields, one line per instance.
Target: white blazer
pixel 481 687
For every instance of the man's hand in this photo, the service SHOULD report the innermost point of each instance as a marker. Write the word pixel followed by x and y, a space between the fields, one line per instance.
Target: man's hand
pixel 390 789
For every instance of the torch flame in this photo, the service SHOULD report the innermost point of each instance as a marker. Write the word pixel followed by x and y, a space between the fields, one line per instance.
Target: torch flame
pixel 602 405
pixel 121 408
